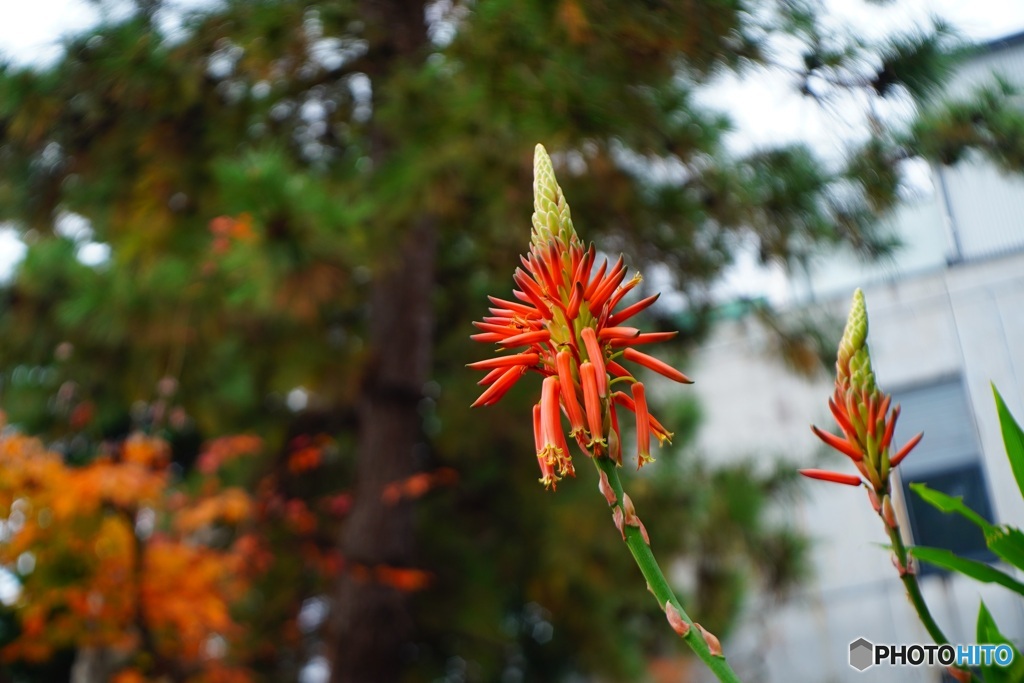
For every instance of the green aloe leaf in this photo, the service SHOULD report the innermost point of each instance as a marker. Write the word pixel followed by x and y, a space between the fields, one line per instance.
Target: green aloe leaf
pixel 940 557
pixel 1013 439
pixel 947 503
pixel 988 632
pixel 1005 541
pixel 1008 543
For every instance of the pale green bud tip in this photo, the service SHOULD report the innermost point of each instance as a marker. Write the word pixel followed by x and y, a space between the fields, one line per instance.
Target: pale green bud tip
pixel 853 362
pixel 861 374
pixel 551 218
pixel 856 332
pixel 543 175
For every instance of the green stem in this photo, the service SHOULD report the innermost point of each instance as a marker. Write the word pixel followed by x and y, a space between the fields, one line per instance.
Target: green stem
pixel 656 581
pixel 914 592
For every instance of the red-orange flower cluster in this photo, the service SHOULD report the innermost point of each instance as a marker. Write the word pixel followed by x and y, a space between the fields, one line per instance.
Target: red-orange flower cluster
pixel 877 426
pixel 865 416
pixel 564 325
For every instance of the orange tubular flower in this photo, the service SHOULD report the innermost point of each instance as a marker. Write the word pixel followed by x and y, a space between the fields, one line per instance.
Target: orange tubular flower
pixel 592 401
pixel 596 355
pixel 563 324
pixel 498 389
pixel 643 426
pixel 569 399
pixel 657 428
pixel 658 366
pixel 837 477
pixel 547 471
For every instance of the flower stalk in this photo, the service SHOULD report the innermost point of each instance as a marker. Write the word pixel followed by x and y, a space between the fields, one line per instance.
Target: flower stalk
pixel 867 421
pixel 703 644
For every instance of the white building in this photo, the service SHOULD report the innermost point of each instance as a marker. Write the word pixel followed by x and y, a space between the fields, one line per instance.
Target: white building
pixel 946 319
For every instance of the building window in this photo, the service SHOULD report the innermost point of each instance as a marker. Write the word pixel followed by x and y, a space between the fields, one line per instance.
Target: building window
pixel 947 460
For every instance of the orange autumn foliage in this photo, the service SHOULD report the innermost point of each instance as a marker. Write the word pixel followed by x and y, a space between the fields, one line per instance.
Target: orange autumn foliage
pixel 405 579
pixel 225 449
pixel 304 459
pixel 229 229
pixel 418 485
pixel 187 591
pixel 101 565
pixel 307 453
pixel 212 673
pixel 120 555
pixel 231 506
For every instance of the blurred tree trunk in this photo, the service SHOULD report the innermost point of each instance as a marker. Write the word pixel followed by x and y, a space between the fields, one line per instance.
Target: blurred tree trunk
pixel 373 624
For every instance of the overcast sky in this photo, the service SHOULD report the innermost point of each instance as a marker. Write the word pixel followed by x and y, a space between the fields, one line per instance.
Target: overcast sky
pixel 762 107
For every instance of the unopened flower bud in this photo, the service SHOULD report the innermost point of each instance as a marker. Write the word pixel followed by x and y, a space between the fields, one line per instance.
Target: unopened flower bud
pixel 902 570
pixel 629 511
pixel 714 645
pixel 675 620
pixel 619 520
pixel 551 216
pixel 854 334
pixel 873 498
pixel 605 487
pixel 888 513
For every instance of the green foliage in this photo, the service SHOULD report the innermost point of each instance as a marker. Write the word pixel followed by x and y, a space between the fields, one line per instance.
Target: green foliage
pixel 1013 438
pixel 920 62
pixel 873 167
pixel 988 632
pixel 989 122
pixel 950 504
pixel 805 340
pixel 913 63
pixel 1005 541
pixel 979 571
